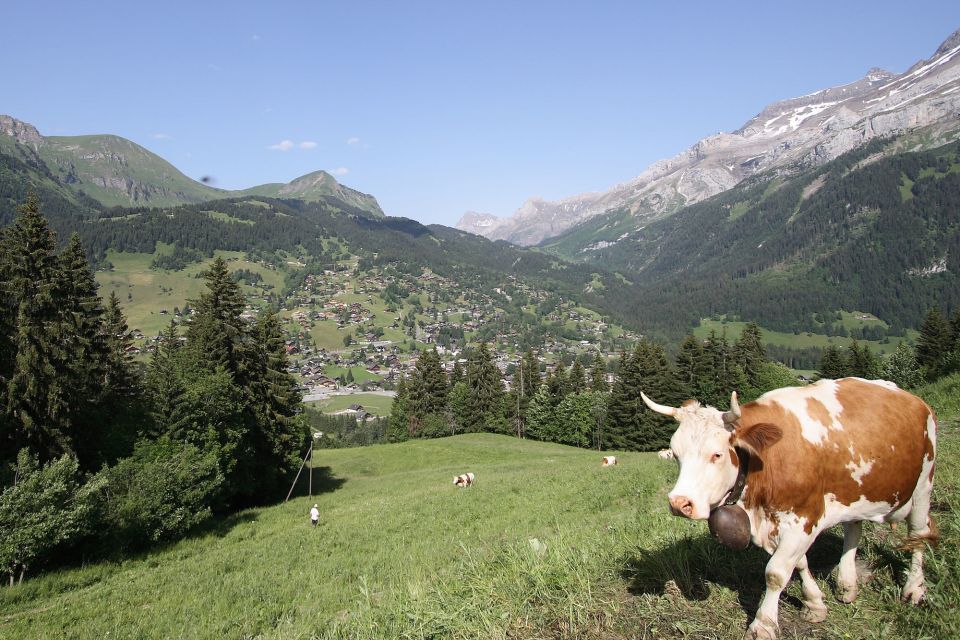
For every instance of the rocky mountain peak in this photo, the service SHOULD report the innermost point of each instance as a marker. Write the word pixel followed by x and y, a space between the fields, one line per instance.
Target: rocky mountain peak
pixel 22 132
pixel 951 43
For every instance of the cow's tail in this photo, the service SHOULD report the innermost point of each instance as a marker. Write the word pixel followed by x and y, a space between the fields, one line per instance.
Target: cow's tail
pixel 916 542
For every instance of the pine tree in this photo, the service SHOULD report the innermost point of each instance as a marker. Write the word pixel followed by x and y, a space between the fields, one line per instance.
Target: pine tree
pixel 657 380
pixel 689 366
pixel 933 344
pixel 399 416
pixel 623 411
pixel 833 364
pixel 485 406
pixel 456 374
pixel 217 336
pixel 902 368
pixel 598 375
pixel 749 352
pixel 576 379
pixel 119 376
pixel 531 374
pixel 428 386
pixel 861 361
pixel 541 416
pixel 37 403
pixel 83 338
pixel 165 388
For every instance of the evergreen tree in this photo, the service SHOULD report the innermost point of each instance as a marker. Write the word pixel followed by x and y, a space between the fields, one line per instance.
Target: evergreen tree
pixel 37 402
pixel 749 352
pixel 541 416
pixel 428 386
pixel 576 379
pixel 623 411
pixel 690 365
pixel 531 374
pixel 598 375
pixel 83 339
pixel 833 364
pixel 119 377
pixel 399 417
pixel 557 383
pixel 657 380
pixel 485 406
pixel 217 336
pixel 902 368
pixel 165 388
pixel 456 374
pixel 575 419
pixel 933 344
pixel 861 361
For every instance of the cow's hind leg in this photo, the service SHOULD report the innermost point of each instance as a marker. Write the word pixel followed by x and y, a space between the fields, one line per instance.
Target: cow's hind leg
pixel 814 610
pixel 922 530
pixel 847 571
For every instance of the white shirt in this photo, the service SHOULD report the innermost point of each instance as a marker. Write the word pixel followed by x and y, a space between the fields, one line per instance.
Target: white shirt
pixel 314 514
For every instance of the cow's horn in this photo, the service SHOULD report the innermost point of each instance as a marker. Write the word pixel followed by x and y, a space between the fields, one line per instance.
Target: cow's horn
pixel 659 408
pixel 729 417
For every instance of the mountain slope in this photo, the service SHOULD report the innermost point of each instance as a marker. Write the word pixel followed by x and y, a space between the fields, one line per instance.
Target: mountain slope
pixel 789 136
pixel 315 186
pixel 873 231
pixel 117 172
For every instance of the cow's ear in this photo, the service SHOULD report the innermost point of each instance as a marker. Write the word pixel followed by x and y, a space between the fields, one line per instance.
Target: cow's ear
pixel 757 437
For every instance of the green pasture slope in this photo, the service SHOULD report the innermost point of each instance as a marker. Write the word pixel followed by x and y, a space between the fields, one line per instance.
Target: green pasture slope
pixel 402 553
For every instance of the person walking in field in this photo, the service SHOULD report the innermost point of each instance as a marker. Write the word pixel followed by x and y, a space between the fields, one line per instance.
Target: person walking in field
pixel 314 515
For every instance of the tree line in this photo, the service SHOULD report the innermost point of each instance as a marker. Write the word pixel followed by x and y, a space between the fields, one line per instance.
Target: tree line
pixel 100 455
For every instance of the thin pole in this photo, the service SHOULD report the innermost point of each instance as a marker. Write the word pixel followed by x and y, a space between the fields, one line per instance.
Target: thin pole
pixel 298 476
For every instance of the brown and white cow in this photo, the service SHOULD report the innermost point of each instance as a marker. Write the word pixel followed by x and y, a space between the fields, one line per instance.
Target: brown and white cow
pixel 463 480
pixel 608 461
pixel 834 452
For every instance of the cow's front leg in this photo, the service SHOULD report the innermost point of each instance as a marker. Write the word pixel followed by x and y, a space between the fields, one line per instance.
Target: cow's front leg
pixel 778 572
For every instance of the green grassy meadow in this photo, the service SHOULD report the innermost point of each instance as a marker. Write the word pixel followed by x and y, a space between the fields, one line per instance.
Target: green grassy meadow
pixel 375 404
pixel 402 553
pixel 144 292
pixel 804 340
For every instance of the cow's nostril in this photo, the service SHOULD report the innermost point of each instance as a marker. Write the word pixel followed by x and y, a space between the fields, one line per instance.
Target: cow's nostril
pixel 681 505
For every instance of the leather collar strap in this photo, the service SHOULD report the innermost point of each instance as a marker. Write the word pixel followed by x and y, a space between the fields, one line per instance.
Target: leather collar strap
pixel 744 457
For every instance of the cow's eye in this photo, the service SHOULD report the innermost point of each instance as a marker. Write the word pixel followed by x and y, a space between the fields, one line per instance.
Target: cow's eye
pixel 715 457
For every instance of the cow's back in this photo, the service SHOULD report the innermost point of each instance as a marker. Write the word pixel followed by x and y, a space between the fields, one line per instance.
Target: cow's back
pixel 845 442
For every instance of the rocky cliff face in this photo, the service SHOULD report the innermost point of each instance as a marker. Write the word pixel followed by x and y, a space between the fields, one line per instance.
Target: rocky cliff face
pixel 787 135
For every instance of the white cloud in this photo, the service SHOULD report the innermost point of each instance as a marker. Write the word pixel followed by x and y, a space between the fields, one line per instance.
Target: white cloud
pixel 161 136
pixel 353 141
pixel 283 145
pixel 308 144
pixel 340 171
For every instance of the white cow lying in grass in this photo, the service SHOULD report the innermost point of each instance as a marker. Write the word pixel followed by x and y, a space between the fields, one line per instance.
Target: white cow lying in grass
pixel 463 480
pixel 665 454
pixel 608 461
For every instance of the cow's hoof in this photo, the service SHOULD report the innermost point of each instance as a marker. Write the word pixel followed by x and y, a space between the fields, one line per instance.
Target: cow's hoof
pixel 847 595
pixel 814 614
pixel 762 631
pixel 914 595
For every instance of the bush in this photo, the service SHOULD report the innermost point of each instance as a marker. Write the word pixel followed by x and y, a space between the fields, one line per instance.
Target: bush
pixel 47 508
pixel 159 493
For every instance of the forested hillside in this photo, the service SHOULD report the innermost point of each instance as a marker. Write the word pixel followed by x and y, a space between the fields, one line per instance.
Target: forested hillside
pixel 872 232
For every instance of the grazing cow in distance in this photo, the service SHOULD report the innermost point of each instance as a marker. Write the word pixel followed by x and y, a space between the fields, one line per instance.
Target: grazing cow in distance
pixel 463 480
pixel 800 460
pixel 608 461
pixel 665 454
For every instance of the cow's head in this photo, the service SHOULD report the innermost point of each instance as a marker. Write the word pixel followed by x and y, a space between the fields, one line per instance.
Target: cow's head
pixel 703 446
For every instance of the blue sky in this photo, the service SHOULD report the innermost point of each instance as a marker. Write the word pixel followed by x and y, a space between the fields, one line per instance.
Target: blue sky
pixel 437 108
